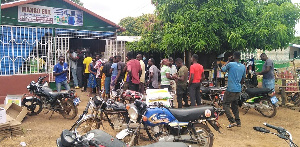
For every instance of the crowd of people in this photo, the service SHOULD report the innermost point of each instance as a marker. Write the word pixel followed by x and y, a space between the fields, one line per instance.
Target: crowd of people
pixel 89 72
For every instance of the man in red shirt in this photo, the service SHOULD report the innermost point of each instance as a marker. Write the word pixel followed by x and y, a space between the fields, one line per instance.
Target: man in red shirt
pixel 134 72
pixel 196 76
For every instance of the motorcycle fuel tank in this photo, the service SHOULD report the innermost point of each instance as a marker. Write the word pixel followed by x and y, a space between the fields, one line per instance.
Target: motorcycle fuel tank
pixel 156 116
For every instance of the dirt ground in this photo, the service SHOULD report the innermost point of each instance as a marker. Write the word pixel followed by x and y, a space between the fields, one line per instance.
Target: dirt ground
pixel 42 132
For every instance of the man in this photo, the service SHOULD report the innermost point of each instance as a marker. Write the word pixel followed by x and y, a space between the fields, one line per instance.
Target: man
pixel 99 73
pixel 73 66
pixel 196 76
pixel 139 57
pixel 106 71
pixel 153 74
pixel 181 83
pixel 267 72
pixel 114 73
pixel 134 72
pixel 173 71
pixel 121 73
pixel 86 62
pixel 236 74
pixel 60 72
pixel 79 71
pixel 165 74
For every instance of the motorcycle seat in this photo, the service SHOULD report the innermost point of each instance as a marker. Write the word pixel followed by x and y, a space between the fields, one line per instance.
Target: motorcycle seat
pixel 205 90
pixel 118 106
pixel 257 91
pixel 191 113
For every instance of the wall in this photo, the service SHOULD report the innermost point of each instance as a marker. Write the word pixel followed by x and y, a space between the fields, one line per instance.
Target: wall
pixel 16 84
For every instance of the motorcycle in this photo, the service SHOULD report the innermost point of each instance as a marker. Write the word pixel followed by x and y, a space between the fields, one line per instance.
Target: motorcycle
pixel 115 113
pixel 99 138
pixel 212 95
pixel 43 97
pixel 188 125
pixel 262 100
pixel 281 133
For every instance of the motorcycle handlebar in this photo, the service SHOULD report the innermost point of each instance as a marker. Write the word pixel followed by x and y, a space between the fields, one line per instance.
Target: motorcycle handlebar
pixel 261 129
pixel 279 129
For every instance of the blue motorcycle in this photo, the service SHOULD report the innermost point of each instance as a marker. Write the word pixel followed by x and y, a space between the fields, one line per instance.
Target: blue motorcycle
pixel 188 125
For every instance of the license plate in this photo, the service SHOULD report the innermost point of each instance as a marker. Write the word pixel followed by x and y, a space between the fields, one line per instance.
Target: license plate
pixel 76 101
pixel 274 100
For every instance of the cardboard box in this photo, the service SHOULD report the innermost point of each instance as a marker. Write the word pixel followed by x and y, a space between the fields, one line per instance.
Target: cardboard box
pixel 15 112
pixel 2 115
pixel 17 99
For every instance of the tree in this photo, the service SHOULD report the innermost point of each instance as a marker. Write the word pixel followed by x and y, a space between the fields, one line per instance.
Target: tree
pixel 78 2
pixel 136 26
pixel 220 25
pixel 296 40
pixel 7 1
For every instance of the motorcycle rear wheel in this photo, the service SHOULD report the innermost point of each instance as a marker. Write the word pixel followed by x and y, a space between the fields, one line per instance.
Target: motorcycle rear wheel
pixel 270 111
pixel 34 106
pixel 204 132
pixel 69 110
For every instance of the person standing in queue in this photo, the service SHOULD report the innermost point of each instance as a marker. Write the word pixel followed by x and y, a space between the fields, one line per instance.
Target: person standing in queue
pixel 86 62
pixel 60 72
pixel 267 72
pixel 114 73
pixel 121 73
pixel 80 67
pixel 181 83
pixel 139 57
pixel 236 75
pixel 153 74
pixel 107 73
pixel 98 66
pixel 73 67
pixel 165 75
pixel 134 72
pixel 196 76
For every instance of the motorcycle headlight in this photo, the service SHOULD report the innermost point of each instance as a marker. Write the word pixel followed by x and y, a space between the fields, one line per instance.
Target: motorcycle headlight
pixel 133 113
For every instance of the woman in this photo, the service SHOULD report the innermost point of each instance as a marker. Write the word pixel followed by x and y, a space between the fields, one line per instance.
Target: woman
pixel 92 82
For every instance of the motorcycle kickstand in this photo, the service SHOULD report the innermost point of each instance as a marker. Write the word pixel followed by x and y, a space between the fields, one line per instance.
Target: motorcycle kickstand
pixel 51 115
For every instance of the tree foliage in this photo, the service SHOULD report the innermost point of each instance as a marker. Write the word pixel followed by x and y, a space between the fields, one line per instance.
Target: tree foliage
pixel 136 26
pixel 78 2
pixel 220 25
pixel 75 1
pixel 296 40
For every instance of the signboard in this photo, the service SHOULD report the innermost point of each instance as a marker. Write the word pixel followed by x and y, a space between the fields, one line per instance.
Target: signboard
pixel 17 99
pixel 49 15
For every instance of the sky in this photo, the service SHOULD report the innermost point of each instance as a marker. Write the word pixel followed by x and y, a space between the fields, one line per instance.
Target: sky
pixel 115 10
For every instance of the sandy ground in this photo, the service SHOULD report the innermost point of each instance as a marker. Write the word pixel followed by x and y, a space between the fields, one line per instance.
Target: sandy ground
pixel 40 131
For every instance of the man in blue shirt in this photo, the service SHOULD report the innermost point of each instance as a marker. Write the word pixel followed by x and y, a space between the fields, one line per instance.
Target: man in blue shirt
pixel 236 75
pixel 60 72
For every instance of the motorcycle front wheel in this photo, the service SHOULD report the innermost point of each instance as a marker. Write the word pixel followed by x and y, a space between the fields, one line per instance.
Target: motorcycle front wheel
pixel 205 136
pixel 87 125
pixel 34 106
pixel 267 109
pixel 69 110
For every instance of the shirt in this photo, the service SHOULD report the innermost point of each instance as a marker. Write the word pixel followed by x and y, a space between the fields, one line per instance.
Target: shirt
pixel 87 61
pixel 142 79
pixel 80 58
pixel 58 69
pixel 106 69
pixel 183 71
pixel 173 70
pixel 73 64
pixel 98 67
pixel 114 66
pixel 196 69
pixel 270 74
pixel 121 67
pixel 236 71
pixel 154 81
pixel 164 70
pixel 134 66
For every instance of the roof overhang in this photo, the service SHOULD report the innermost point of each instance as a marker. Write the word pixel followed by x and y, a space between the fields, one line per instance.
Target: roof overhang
pixel 23 2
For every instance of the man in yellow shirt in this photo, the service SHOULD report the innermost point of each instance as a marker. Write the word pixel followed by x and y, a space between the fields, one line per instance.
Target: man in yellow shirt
pixel 86 62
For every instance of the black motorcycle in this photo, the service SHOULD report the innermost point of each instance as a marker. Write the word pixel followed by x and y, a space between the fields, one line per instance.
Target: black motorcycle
pixel 99 138
pixel 262 100
pixel 43 97
pixel 212 95
pixel 115 113
pixel 281 133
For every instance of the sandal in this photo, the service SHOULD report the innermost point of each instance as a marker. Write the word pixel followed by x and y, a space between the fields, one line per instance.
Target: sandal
pixel 232 125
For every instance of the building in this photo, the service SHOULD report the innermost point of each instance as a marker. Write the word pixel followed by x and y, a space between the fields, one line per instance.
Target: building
pixel 34 33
